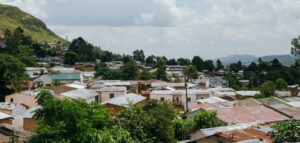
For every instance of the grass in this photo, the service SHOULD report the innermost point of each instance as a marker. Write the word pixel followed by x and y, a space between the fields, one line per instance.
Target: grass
pixel 12 17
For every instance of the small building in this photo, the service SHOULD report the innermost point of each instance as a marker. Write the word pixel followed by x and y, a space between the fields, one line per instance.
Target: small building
pixel 5 118
pixel 34 72
pixel 26 97
pixel 106 93
pixel 16 112
pixel 29 123
pixel 86 94
pixel 45 79
pixel 246 94
pixel 177 86
pixel 116 104
pixel 114 64
pixel 282 94
pixel 65 78
pixel 178 97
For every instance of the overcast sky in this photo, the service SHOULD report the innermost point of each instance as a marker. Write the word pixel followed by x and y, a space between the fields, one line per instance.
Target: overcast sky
pixel 174 28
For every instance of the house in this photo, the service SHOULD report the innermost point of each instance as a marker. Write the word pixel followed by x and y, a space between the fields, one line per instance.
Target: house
pixel 177 86
pixel 208 135
pixel 239 115
pixel 106 93
pixel 46 80
pixel 244 82
pixel 34 72
pixel 87 66
pixel 26 97
pixel 29 122
pixel 88 76
pixel 179 96
pixel 86 94
pixel 16 112
pixel 132 86
pixel 217 81
pixel 116 104
pixel 246 94
pixel 5 118
pixel 242 134
pixel 65 78
pixel 146 84
pixel 282 94
pixel 175 68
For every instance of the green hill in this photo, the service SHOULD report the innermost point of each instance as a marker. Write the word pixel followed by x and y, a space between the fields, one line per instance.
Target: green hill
pixel 12 17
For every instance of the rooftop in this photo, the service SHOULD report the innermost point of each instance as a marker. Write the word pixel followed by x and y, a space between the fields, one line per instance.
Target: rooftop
pixel 294 112
pixel 247 93
pixel 80 93
pixel 4 116
pixel 250 114
pixel 125 100
pixel 181 92
pixel 211 100
pixel 112 89
pixel 69 76
pixel 30 112
pixel 275 102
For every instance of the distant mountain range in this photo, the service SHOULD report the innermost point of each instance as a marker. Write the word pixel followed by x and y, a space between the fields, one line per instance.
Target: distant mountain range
pixel 246 59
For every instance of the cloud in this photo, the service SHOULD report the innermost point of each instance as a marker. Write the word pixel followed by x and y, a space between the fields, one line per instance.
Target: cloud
pixel 209 28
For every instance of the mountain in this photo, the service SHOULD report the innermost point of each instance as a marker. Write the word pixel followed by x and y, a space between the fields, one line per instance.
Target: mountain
pixel 12 17
pixel 246 59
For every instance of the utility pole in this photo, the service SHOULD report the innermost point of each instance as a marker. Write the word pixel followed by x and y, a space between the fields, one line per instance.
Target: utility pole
pixel 186 93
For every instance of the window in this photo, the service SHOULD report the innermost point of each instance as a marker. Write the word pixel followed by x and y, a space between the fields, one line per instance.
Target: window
pixel 11 100
pixel 97 98
pixel 189 99
pixel 162 99
pixel 112 95
pixel 177 98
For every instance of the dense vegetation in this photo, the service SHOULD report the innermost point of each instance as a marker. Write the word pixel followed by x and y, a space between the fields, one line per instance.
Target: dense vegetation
pixel 12 18
pixel 286 131
pixel 63 120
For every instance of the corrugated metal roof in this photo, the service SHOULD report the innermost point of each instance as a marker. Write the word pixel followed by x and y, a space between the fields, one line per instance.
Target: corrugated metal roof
pixel 112 88
pixel 253 141
pixel 30 112
pixel 172 92
pixel 172 84
pixel 240 115
pixel 294 112
pixel 4 116
pixel 124 100
pixel 65 76
pixel 275 102
pixel 247 93
pixel 225 93
pixel 211 100
pixel 80 93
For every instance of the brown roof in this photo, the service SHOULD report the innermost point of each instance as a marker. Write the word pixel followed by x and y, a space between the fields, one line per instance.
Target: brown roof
pixel 240 115
pixel 246 134
pixel 294 112
pixel 61 89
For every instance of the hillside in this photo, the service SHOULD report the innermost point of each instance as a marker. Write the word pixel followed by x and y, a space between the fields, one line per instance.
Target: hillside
pixel 12 17
pixel 246 59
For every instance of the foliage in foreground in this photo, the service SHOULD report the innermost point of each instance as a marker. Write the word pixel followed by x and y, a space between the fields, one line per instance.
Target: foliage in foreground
pixel 286 131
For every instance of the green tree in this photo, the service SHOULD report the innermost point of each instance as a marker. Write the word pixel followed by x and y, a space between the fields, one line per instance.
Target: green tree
pixel 43 96
pixel 69 121
pixel 71 58
pixel 219 65
pixel 281 84
pixel 183 61
pixel 267 89
pixel 286 131
pixel 138 55
pixel 161 73
pixel 198 62
pixel 190 73
pixel 145 75
pixel 208 65
pixel 12 72
pixel 29 61
pixel 84 49
pixel 295 50
pixel 172 62
pixel 129 71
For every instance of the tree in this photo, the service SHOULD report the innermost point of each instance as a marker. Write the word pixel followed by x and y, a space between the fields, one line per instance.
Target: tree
pixel 208 65
pixel 151 60
pixel 71 58
pixel 267 89
pixel 145 75
pixel 183 61
pixel 12 72
pixel 161 73
pixel 286 131
pixel 295 50
pixel 84 49
pixel 138 55
pixel 236 67
pixel 129 71
pixel 43 96
pixel 198 62
pixel 219 65
pixel 149 123
pixel 29 61
pixel 172 62
pixel 281 84
pixel 190 73
pixel 73 121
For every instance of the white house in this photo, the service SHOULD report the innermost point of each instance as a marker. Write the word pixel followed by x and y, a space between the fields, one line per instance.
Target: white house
pixel 106 93
pixel 179 96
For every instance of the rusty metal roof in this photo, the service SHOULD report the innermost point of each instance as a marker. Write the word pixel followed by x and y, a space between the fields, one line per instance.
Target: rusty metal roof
pixel 238 115
pixel 294 112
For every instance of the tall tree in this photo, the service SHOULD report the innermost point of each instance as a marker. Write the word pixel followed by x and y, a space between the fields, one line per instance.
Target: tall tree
pixel 138 55
pixel 172 62
pixel 286 131
pixel 190 73
pixel 84 49
pixel 295 50
pixel 12 72
pixel 208 65
pixel 198 62
pixel 129 71
pixel 161 73
pixel 183 61
pixel 281 84
pixel 219 65
pixel 267 89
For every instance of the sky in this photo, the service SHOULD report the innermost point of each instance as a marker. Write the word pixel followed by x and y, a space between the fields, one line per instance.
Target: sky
pixel 174 28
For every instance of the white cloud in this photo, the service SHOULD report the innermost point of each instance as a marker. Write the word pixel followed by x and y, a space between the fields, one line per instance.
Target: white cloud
pixel 209 28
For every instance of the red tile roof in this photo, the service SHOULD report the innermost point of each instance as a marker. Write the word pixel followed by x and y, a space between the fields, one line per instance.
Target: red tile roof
pixel 240 115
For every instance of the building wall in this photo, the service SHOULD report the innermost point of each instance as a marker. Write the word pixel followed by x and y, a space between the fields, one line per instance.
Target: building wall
pixel 158 97
pixel 7 121
pixel 18 98
pixel 105 95
pixel 29 124
pixel 17 114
